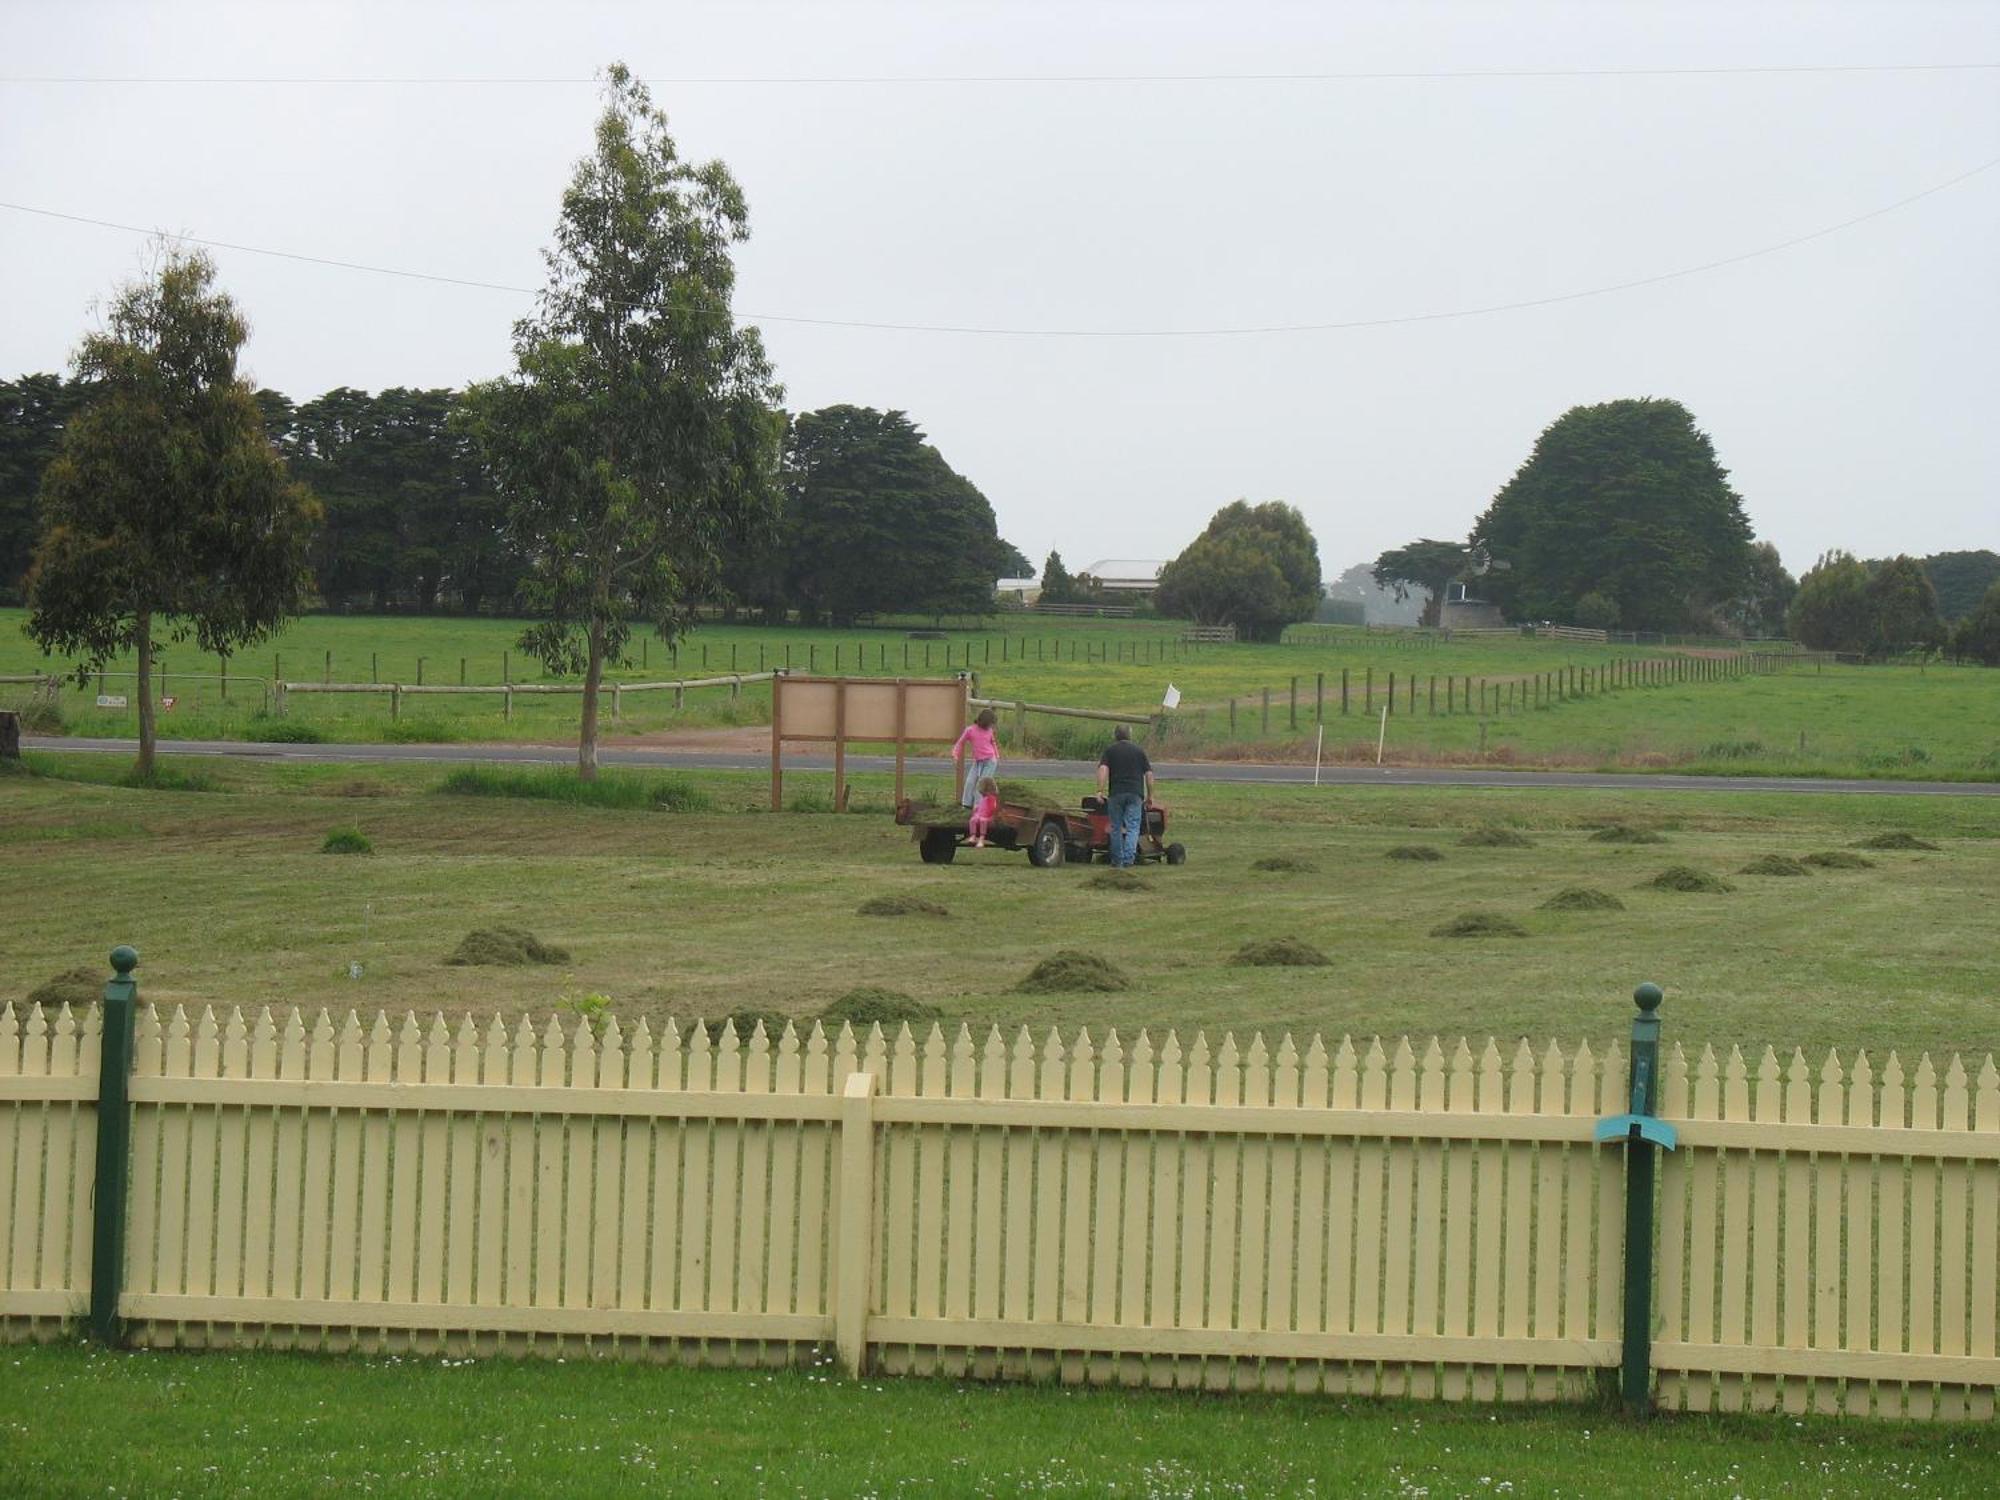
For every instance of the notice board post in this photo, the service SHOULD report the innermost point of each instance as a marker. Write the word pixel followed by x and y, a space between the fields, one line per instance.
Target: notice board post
pixel 902 711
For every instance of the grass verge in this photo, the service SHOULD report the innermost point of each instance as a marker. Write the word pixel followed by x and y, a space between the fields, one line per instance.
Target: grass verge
pixel 80 1422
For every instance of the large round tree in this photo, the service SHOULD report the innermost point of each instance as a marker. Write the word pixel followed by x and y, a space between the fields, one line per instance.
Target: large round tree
pixel 1625 500
pixel 1256 567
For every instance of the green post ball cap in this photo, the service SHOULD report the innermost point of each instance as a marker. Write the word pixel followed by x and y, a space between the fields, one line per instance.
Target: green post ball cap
pixel 124 958
pixel 1648 997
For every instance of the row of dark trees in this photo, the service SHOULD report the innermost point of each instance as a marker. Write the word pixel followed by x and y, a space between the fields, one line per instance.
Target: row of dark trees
pixel 874 521
pixel 1889 606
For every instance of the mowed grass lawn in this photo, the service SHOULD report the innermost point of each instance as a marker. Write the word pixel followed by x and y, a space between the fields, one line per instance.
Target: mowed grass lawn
pixel 80 1422
pixel 701 913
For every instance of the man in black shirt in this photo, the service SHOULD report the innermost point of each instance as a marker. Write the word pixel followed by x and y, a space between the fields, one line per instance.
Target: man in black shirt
pixel 1125 779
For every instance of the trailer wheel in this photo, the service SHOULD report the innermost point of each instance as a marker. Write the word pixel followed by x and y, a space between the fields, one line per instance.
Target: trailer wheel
pixel 1047 850
pixel 938 847
pixel 1177 854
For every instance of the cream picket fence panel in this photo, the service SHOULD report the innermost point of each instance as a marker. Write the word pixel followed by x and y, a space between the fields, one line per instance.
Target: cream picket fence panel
pixel 1389 1219
pixel 48 1145
pixel 1830 1238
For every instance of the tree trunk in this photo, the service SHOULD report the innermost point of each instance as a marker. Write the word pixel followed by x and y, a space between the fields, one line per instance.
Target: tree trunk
pixel 593 673
pixel 145 696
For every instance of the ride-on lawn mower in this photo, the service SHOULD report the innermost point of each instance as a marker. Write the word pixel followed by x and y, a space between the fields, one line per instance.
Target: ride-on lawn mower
pixel 1051 835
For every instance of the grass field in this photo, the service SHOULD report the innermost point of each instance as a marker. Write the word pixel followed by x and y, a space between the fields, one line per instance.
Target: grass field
pixel 77 1422
pixel 705 912
pixel 1943 722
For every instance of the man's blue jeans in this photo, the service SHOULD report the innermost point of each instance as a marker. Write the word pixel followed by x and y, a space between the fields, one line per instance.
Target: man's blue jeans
pixel 1125 809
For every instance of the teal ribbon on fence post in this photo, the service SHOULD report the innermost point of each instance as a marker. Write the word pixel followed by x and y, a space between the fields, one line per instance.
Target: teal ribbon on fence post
pixel 1641 1132
pixel 114 1150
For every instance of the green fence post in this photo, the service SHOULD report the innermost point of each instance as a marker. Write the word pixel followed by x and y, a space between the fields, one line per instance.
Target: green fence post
pixel 114 1150
pixel 1641 1132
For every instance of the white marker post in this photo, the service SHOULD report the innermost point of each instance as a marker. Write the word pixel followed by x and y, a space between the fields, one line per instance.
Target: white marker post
pixel 1382 737
pixel 1319 742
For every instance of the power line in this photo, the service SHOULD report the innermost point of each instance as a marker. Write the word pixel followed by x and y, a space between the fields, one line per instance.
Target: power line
pixel 1345 325
pixel 1057 79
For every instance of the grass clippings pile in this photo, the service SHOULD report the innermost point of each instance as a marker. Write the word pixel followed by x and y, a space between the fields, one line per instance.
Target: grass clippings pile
pixel 1280 953
pixel 902 904
pixel 1496 838
pixel 1837 859
pixel 1625 833
pixel 346 841
pixel 1284 863
pixel 1905 841
pixel 1421 853
pixel 506 947
pixel 1582 898
pixel 1687 878
pixel 1473 924
pixel 1129 881
pixel 872 1005
pixel 1774 864
pixel 1070 971
pixel 72 987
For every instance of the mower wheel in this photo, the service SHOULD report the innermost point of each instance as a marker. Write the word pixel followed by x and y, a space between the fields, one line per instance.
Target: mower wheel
pixel 1047 850
pixel 1177 854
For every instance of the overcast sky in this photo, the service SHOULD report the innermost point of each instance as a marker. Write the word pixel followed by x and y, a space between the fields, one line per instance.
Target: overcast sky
pixel 1848 383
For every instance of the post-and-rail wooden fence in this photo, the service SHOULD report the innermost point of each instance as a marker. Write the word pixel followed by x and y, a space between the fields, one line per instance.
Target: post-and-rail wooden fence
pixel 1415 1219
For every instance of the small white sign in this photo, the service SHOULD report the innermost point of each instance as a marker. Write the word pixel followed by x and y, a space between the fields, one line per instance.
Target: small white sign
pixel 1173 698
pixel 110 700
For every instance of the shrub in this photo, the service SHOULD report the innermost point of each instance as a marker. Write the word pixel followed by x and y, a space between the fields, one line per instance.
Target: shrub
pixel 1069 970
pixel 171 779
pixel 263 731
pixel 1688 878
pixel 346 841
pixel 510 947
pixel 73 987
pixel 1582 898
pixel 39 715
pixel 1479 924
pixel 1280 953
pixel 1774 864
pixel 1275 863
pixel 1731 750
pixel 1895 841
pixel 1496 838
pixel 902 904
pixel 555 784
pixel 871 1005
pixel 1422 853
pixel 1838 859
pixel 1624 833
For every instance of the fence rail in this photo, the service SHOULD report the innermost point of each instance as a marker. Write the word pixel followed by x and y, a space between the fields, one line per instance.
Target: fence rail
pixel 1408 1219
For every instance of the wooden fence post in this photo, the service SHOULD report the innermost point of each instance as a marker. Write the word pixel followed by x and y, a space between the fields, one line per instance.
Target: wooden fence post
pixel 1343 690
pixel 1319 697
pixel 854 1245
pixel 114 1150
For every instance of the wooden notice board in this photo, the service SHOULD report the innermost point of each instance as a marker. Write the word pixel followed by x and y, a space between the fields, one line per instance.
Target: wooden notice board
pixel 902 711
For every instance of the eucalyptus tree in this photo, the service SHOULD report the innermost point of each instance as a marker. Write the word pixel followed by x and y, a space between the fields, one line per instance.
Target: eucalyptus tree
pixel 638 433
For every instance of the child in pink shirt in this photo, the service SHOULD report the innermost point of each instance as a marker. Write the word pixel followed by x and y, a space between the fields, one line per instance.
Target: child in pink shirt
pixel 983 812
pixel 977 754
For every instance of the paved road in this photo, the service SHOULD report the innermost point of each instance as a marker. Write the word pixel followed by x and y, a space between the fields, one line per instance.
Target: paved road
pixel 1066 770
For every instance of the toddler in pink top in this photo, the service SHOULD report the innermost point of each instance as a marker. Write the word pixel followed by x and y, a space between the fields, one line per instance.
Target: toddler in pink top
pixel 984 811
